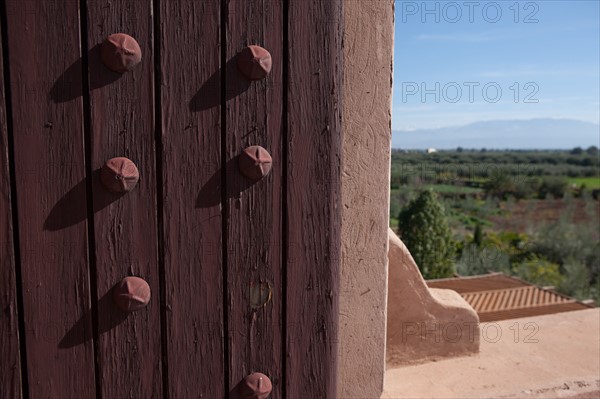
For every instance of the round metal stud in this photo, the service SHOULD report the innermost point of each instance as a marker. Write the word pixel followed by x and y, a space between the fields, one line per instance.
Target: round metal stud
pixel 131 294
pixel 119 175
pixel 256 386
pixel 120 52
pixel 254 62
pixel 255 162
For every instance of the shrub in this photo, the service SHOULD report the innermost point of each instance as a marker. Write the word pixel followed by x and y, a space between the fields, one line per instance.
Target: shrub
pixel 539 271
pixel 577 280
pixel 563 241
pixel 481 260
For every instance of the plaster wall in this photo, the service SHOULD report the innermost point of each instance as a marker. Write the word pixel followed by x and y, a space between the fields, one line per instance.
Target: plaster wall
pixel 368 52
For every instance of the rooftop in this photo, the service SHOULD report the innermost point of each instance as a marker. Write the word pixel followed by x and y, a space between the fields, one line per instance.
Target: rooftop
pixel 496 296
pixel 549 356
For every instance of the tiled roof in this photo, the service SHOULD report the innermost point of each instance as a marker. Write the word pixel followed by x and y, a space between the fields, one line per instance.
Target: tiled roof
pixel 486 282
pixel 499 297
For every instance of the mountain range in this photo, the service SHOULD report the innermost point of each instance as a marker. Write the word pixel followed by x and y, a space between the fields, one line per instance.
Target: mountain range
pixel 503 134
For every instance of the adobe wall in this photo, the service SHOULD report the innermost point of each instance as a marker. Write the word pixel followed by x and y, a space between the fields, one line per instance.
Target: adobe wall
pixel 368 51
pixel 424 323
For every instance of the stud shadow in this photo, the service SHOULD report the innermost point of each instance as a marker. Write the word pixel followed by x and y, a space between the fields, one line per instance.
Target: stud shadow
pixel 209 95
pixel 69 85
pixel 109 316
pixel 235 392
pixel 210 193
pixel 72 207
pixel 239 391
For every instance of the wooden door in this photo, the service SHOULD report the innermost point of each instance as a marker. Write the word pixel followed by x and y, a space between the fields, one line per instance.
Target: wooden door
pixel 242 272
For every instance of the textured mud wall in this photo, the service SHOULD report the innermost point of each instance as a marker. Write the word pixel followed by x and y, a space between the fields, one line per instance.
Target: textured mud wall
pixel 368 50
pixel 424 323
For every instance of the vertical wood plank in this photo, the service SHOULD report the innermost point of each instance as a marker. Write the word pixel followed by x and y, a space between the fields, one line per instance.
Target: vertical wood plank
pixel 10 363
pixel 122 125
pixel 190 58
pixel 313 195
pixel 253 112
pixel 44 49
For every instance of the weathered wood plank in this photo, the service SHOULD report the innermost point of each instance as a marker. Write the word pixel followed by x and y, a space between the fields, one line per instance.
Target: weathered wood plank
pixel 46 80
pixel 313 193
pixel 190 58
pixel 253 112
pixel 122 125
pixel 10 363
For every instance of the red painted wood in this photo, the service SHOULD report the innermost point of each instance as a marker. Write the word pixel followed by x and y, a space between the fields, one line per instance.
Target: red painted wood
pixel 44 53
pixel 254 117
pixel 10 363
pixel 313 196
pixel 122 125
pixel 282 230
pixel 190 55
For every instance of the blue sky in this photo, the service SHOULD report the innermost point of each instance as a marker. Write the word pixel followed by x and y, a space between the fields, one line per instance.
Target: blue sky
pixel 495 60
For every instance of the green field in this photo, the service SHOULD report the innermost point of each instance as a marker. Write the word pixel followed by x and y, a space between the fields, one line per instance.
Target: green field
pixel 591 183
pixel 444 189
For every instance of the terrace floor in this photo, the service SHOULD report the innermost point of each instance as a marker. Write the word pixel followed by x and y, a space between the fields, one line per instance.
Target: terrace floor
pixel 550 356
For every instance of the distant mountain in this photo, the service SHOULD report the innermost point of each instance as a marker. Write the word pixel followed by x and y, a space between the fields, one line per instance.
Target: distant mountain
pixel 503 134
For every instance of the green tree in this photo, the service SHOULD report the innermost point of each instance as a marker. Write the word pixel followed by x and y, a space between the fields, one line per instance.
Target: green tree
pixel 425 231
pixel 555 185
pixel 523 190
pixel 478 235
pixel 499 185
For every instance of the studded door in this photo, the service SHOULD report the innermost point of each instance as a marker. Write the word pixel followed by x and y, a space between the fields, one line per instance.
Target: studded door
pixel 170 177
